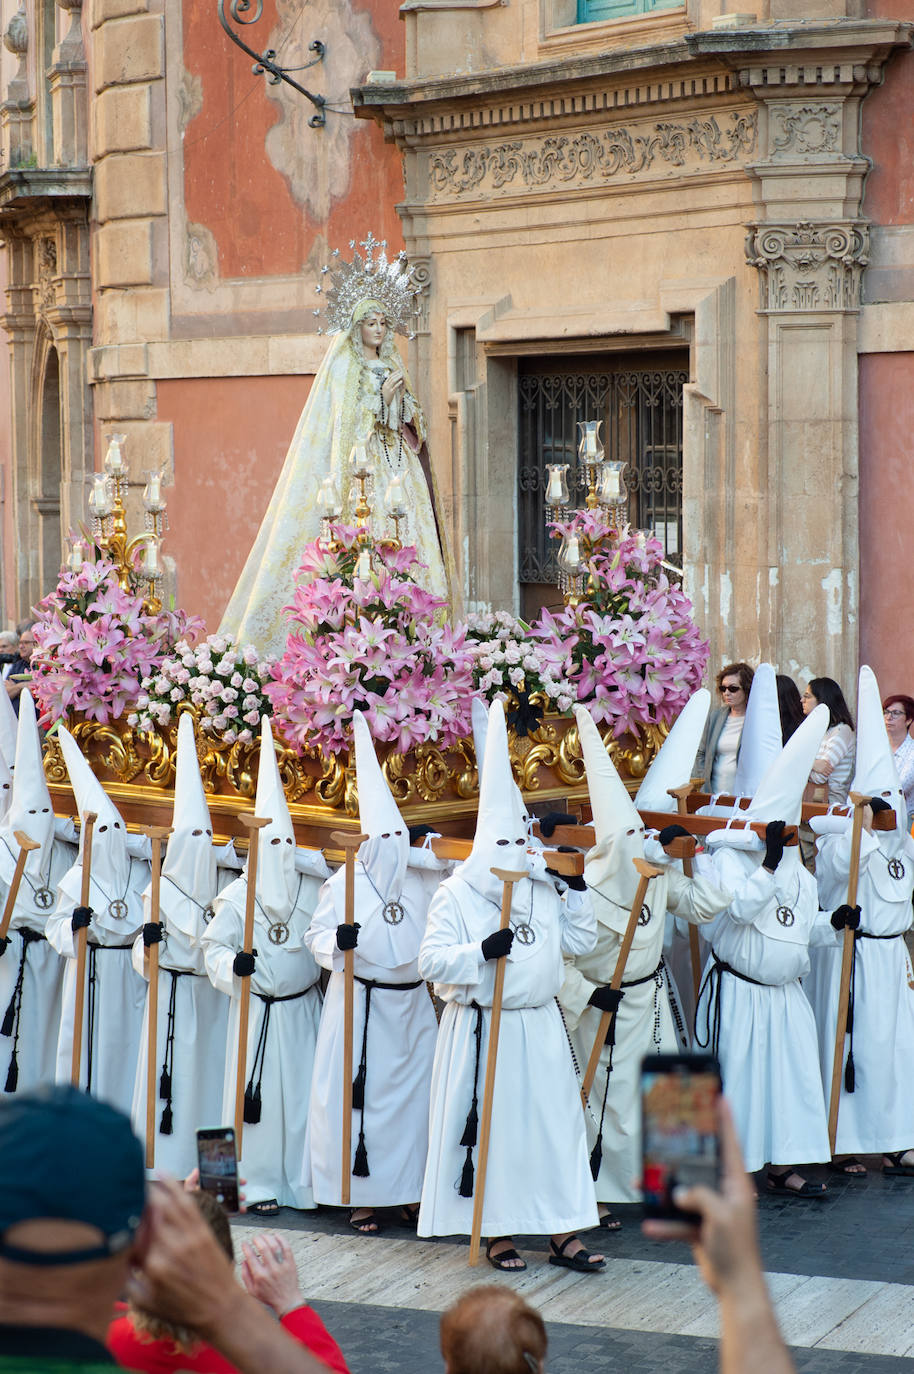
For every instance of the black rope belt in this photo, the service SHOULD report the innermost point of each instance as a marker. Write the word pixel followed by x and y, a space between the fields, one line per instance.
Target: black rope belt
pixel 360 1158
pixel 850 1069
pixel 713 985
pixel 464 1184
pixel 253 1104
pixel 166 1125
pixel 13 1014
pixel 93 949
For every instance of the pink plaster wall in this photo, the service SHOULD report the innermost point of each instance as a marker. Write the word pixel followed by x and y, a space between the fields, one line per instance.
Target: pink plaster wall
pixel 9 541
pixel 230 439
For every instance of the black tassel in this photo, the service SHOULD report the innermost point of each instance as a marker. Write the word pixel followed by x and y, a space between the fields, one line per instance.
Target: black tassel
pixel 470 1132
pixel 850 1076
pixel 358 1090
pixel 166 1124
pixel 849 1024
pixel 596 1158
pixel 252 1105
pixel 12 1077
pixel 466 1177
pixel 9 1019
pixel 360 1163
pixel 164 1085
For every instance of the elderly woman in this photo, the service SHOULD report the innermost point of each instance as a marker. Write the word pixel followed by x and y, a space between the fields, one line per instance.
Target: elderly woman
pixel 898 712
pixel 718 751
pixel 834 767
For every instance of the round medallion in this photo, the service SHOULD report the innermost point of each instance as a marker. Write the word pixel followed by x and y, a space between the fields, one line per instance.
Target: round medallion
pixel 393 913
pixel 896 869
pixel 524 933
pixel 785 916
pixel 278 933
pixel 645 916
pixel 44 898
pixel 118 909
pixel 208 913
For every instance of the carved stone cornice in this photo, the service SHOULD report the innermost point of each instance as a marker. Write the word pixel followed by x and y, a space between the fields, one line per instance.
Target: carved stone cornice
pixel 584 158
pixel 809 267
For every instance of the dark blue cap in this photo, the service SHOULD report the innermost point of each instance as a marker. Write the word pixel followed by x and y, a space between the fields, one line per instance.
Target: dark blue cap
pixel 68 1157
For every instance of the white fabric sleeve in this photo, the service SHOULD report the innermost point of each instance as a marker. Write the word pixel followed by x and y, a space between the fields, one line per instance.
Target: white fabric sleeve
pixel 320 936
pixel 221 941
pixel 695 899
pixel 751 895
pixel 444 955
pixel 59 933
pixel 578 922
pixel 574 994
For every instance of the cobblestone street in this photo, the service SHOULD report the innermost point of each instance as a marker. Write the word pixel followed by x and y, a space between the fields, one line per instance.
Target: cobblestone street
pixel 841 1273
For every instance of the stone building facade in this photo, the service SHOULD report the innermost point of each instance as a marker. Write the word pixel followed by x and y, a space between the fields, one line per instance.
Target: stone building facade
pixel 683 212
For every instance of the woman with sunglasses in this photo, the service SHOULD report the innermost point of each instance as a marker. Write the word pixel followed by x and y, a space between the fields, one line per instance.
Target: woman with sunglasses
pixel 718 752
pixel 898 713
pixel 834 767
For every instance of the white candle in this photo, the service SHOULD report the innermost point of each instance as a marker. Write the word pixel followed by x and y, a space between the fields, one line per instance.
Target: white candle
pixel 557 486
pixel 394 498
pixel 114 459
pixel 151 567
pixel 100 501
pixel 328 499
pixel 152 492
pixel 363 566
pixel 572 554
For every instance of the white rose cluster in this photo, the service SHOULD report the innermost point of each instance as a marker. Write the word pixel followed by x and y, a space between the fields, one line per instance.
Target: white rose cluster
pixel 222 680
pixel 508 661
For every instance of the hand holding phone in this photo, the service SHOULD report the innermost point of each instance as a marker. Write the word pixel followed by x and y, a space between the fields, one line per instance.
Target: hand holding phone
pixel 218 1165
pixel 679 1094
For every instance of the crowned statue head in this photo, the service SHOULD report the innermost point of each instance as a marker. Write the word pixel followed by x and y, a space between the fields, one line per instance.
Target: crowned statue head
pixel 370 284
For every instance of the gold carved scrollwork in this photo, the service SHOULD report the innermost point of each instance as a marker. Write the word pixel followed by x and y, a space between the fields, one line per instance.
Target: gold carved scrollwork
pixel 115 748
pixel 55 770
pixel 466 774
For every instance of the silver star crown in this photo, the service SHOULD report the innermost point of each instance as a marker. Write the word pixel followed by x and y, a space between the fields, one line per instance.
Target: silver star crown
pixel 368 277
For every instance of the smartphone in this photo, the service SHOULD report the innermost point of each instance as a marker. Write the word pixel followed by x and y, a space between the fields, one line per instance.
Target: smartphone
pixel 679 1137
pixel 218 1165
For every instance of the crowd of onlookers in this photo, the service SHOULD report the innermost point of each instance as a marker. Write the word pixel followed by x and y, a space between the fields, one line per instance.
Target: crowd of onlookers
pixel 832 771
pixel 16 649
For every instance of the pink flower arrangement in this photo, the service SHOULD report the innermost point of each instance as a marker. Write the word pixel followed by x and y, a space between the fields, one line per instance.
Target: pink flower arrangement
pixel 631 650
pixel 374 645
pixel 95 642
pixel 222 681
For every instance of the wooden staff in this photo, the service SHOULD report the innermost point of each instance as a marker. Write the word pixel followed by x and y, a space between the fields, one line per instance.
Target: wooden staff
pixel 646 872
pixel 847 958
pixel 681 794
pixel 350 844
pixel 82 937
pixel 508 878
pixel 156 833
pixel 568 865
pixel 254 824
pixel 25 848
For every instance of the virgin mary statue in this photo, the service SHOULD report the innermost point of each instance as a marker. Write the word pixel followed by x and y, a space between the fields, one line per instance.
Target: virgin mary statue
pixel 362 396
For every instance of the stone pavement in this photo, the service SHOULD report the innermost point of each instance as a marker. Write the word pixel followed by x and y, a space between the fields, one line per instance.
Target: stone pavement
pixel 841 1272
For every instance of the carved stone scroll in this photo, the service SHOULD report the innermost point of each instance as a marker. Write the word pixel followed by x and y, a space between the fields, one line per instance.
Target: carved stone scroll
pixel 809 267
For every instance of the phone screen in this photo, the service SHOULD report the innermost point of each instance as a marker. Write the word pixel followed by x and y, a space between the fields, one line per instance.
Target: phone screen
pixel 679 1128
pixel 218 1165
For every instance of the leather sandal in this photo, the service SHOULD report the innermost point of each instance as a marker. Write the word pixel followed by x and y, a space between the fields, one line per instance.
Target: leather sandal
pixel 268 1208
pixel 610 1222
pixel 896 1169
pixel 502 1260
pixel 777 1183
pixel 367 1225
pixel 849 1167
pixel 582 1261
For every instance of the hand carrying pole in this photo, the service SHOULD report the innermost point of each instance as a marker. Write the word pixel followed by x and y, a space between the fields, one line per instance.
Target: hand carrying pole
pixel 847 958
pixel 156 833
pixel 681 793
pixel 508 878
pixel 254 824
pixel 82 938
pixel 25 848
pixel 350 844
pixel 646 871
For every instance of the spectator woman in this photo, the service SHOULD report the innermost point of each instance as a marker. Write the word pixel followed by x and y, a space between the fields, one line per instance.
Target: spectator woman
pixel 718 752
pixel 790 705
pixel 834 767
pixel 898 711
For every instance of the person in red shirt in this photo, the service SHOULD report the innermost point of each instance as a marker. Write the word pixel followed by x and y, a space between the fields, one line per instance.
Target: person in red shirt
pixel 142 1342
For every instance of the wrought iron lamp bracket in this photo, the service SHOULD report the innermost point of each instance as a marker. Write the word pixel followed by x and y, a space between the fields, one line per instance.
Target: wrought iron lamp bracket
pixel 265 63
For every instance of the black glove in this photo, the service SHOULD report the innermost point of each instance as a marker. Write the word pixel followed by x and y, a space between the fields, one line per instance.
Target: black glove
pixel 670 832
pixel 152 933
pixel 5 943
pixel 548 822
pixel 846 917
pixel 573 880
pixel 419 832
pixel 82 915
pixel 606 998
pixel 243 963
pixel 879 804
pixel 498 944
pixel 347 937
pixel 774 844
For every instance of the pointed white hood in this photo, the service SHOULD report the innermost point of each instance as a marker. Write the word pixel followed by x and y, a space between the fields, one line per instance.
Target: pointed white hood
pixel 673 765
pixel 6 787
pixel 618 826
pixel 501 833
pixel 479 714
pixel 277 880
pixel 110 858
pixel 8 730
pixel 30 808
pixel 385 854
pixel 875 772
pixel 190 857
pixel 761 741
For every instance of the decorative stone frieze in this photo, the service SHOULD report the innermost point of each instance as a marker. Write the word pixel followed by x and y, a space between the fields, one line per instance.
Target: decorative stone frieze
pixel 591 159
pixel 805 131
pixel 809 267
